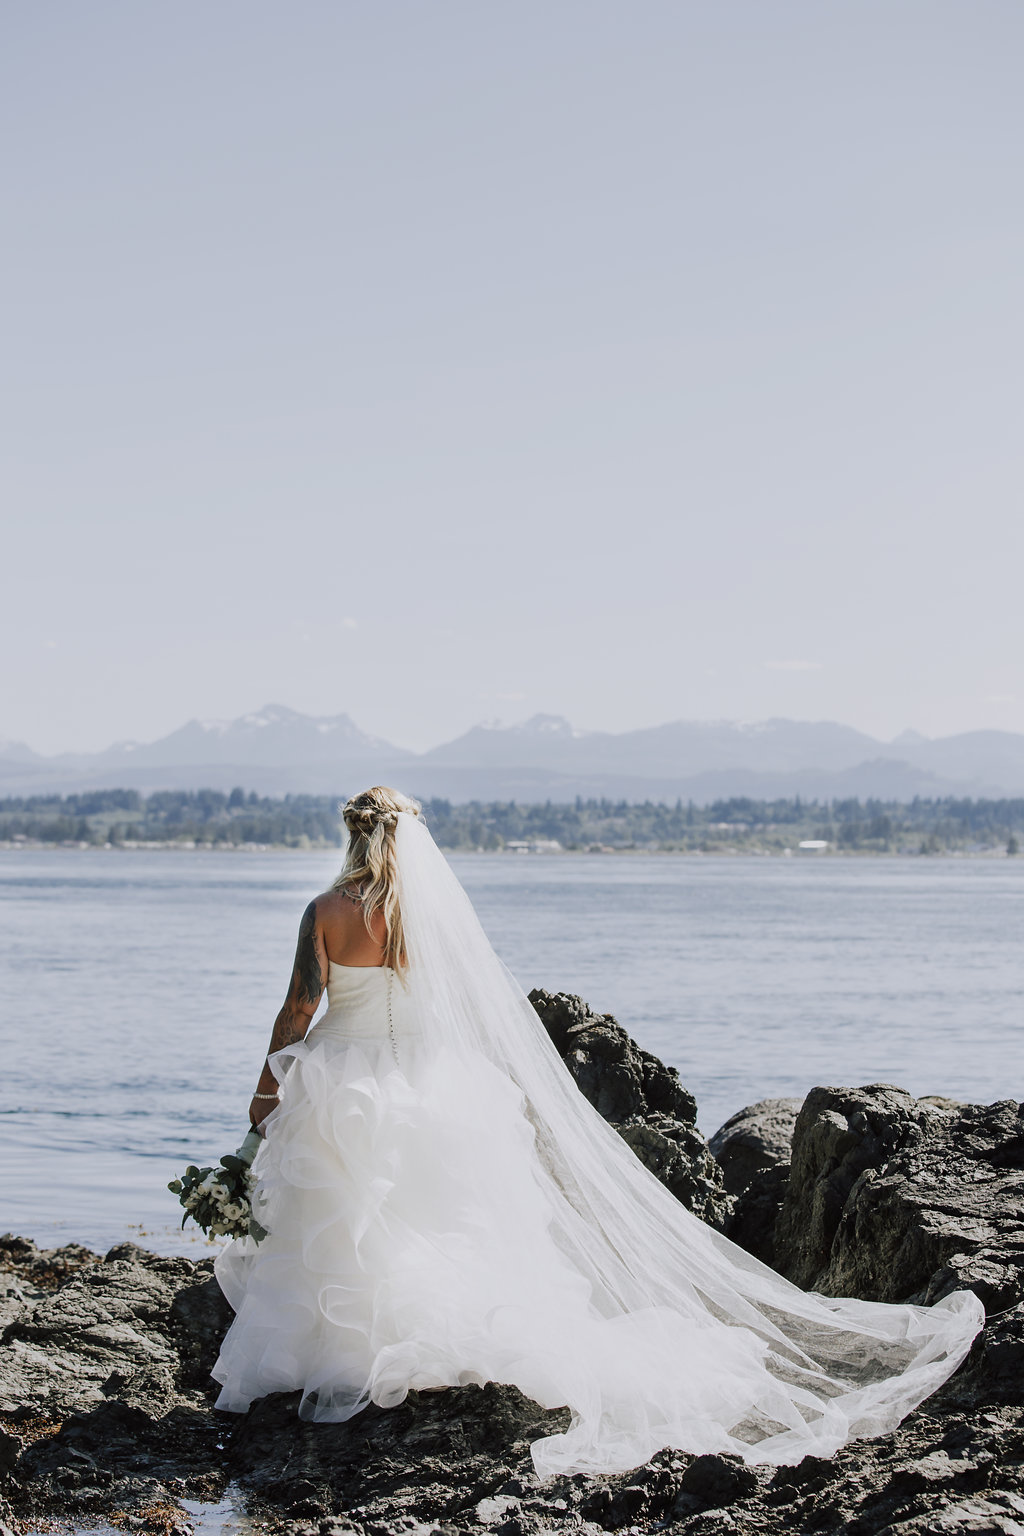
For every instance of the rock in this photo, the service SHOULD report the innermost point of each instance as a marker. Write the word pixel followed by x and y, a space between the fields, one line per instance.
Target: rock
pixel 107 1319
pixel 621 1080
pixel 39 1269
pixel 197 1321
pixel 839 1132
pixel 10 1450
pixel 677 1154
pixel 1000 1514
pixel 994 1372
pixel 754 1217
pixel 892 1200
pixel 641 1097
pixel 753 1140
pixel 495 1510
pixel 753 1150
pixel 944 1213
pixel 718 1480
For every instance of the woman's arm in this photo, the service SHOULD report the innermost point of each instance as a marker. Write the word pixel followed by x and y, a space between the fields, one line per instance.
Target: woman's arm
pixel 304 994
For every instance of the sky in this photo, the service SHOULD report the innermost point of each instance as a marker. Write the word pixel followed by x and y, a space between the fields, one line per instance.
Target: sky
pixel 454 362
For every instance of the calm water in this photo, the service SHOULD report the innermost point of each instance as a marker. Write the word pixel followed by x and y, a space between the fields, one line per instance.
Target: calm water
pixel 137 992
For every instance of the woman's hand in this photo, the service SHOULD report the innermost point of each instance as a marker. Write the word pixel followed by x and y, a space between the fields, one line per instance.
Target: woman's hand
pixel 259 1109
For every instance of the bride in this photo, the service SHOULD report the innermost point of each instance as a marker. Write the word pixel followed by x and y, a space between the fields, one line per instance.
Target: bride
pixel 445 1207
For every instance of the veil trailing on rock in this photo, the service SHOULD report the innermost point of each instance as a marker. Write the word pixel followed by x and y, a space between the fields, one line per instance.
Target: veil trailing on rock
pixel 659 1332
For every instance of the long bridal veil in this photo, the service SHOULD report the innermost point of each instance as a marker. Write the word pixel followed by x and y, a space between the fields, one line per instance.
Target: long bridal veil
pixel 659 1332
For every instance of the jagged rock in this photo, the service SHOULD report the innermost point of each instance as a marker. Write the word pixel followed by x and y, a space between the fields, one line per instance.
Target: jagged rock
pixel 892 1199
pixel 621 1080
pixel 453 1461
pixel 106 1322
pixel 942 1214
pixel 839 1132
pixel 641 1097
pixel 677 1154
pixel 753 1140
pixel 107 1410
pixel 29 1260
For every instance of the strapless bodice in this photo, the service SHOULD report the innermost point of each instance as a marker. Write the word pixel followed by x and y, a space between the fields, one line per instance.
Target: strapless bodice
pixel 358 998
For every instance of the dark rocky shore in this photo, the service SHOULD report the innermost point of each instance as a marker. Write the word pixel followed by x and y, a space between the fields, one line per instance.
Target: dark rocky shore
pixel 105 1401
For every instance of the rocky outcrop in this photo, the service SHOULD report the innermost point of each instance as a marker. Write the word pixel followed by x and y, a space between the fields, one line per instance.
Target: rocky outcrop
pixel 135 1434
pixel 106 1405
pixel 640 1096
pixel 894 1199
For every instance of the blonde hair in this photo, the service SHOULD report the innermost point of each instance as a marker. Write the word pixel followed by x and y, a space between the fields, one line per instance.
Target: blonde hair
pixel 371 819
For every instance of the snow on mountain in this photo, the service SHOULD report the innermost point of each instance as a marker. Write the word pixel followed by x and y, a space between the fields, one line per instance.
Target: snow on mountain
pixel 544 741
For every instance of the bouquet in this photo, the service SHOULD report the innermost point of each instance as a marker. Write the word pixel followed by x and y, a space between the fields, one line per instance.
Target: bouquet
pixel 219 1200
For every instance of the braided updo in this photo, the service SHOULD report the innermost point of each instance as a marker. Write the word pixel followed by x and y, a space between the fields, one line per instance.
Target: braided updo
pixel 371 819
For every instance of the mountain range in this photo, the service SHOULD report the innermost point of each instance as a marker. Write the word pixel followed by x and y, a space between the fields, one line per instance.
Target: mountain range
pixel 277 750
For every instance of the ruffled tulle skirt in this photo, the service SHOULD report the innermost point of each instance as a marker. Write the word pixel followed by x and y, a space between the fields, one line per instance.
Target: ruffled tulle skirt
pixel 409 1247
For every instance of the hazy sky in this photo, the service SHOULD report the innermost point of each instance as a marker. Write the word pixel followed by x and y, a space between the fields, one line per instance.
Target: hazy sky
pixel 455 361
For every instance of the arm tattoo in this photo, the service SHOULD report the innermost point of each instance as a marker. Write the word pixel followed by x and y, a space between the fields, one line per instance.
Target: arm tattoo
pixel 289 1027
pixel 307 962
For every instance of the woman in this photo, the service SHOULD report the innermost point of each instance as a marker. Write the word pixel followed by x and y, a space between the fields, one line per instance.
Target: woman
pixel 445 1207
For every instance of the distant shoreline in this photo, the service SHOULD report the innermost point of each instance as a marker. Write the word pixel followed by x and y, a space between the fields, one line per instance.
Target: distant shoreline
pixel 195 820
pixel 804 856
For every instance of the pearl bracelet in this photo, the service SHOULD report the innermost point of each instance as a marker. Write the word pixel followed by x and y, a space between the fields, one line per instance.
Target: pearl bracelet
pixel 265 1095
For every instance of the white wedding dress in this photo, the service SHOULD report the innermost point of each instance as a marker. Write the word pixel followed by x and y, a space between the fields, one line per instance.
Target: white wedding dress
pixel 444 1207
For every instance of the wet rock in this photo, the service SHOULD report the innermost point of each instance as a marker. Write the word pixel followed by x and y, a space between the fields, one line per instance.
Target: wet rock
pixel 42 1269
pixel 754 1140
pixel 641 1097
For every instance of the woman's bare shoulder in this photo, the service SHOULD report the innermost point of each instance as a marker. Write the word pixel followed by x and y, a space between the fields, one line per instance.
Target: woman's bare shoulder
pixel 337 906
pixel 342 921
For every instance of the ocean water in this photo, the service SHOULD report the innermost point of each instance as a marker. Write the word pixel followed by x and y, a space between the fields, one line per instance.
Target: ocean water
pixel 138 990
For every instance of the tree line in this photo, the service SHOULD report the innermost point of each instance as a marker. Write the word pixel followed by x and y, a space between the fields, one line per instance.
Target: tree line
pixel 213 817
